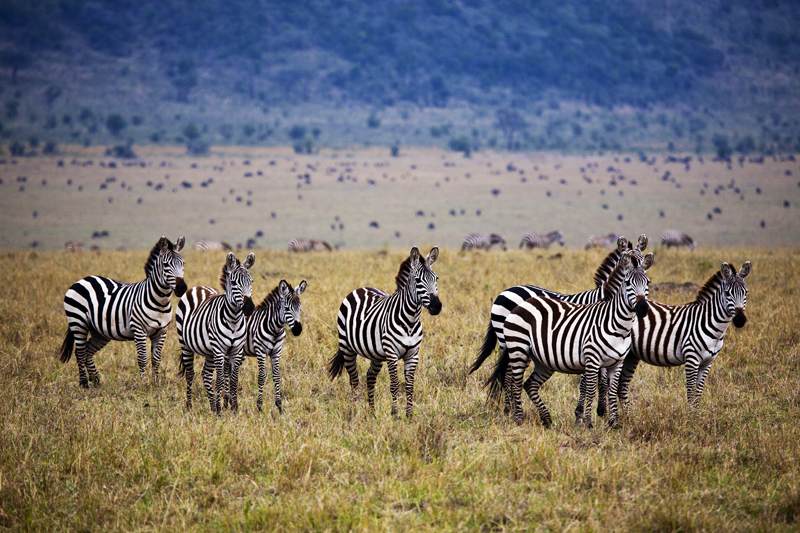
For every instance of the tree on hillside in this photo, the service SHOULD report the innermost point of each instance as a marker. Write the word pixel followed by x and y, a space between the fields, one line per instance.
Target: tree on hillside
pixel 50 96
pixel 115 123
pixel 185 78
pixel 509 122
pixel 15 60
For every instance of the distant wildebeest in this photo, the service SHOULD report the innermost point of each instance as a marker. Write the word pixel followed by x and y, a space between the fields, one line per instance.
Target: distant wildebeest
pixel 601 241
pixel 484 242
pixel 206 245
pixel 541 240
pixel 673 237
pixel 308 245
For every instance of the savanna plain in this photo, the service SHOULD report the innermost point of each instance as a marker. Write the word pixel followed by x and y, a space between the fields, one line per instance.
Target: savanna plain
pixel 128 456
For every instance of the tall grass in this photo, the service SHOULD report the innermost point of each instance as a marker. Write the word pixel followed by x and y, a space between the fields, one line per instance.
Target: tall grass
pixel 127 455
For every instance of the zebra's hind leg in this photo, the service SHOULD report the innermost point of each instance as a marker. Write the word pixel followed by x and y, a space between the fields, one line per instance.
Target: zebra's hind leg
pixel 372 376
pixel 156 343
pixel 602 392
pixel 81 340
pixel 94 345
pixel 187 364
pixel 625 377
pixel 538 378
pixel 352 371
pixel 581 400
pixel 613 377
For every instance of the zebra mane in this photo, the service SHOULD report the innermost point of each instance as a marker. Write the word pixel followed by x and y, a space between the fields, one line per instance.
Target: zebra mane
pixel 275 295
pixel 223 274
pixel 706 293
pixel 402 273
pixel 613 282
pixel 154 253
pixel 606 268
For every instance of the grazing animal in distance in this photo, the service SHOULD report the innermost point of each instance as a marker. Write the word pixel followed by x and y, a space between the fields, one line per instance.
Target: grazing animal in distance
pixel 73 247
pixel 207 245
pixel 387 327
pixel 482 241
pixel 112 310
pixel 601 241
pixel 212 324
pixel 541 240
pixel 308 245
pixel 672 237
pixel 559 336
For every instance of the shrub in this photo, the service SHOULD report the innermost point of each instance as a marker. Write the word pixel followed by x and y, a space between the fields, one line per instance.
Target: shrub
pixel 50 148
pixel 248 130
pixel 297 132
pixel 191 131
pixel 373 121
pixel 115 123
pixel 721 146
pixel 395 150
pixel 16 148
pixel 33 141
pixel 12 109
pixel 137 120
pixel 460 144
pixel 195 147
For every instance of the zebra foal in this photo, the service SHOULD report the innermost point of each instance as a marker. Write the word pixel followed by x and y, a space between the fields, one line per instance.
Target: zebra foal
pixel 559 336
pixel 212 324
pixel 112 310
pixel 387 328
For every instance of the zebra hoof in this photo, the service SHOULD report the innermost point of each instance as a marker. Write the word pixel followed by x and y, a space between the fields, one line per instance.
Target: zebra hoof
pixel 280 407
pixel 84 384
pixel 601 411
pixel 96 381
pixel 614 423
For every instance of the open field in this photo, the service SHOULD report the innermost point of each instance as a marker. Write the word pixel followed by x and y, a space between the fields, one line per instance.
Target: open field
pixel 425 195
pixel 127 456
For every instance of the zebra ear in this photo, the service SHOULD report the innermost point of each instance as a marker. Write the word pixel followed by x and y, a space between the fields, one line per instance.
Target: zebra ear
pixel 163 243
pixel 432 256
pixel 648 260
pixel 230 261
pixel 626 260
pixel 179 244
pixel 249 261
pixel 283 287
pixel 300 289
pixel 745 270
pixel 414 255
pixel 642 244
pixel 726 270
pixel 622 244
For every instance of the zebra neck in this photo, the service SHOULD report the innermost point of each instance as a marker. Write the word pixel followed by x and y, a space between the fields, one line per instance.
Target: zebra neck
pixel 621 316
pixel 717 312
pixel 163 292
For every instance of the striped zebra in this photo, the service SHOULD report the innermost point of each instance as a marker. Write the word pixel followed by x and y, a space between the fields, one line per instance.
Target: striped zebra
pixel 112 310
pixel 73 247
pixel 483 242
pixel 541 240
pixel 510 298
pixel 383 327
pixel 601 241
pixel 560 336
pixel 266 333
pixel 690 334
pixel 212 324
pixel 308 245
pixel 206 245
pixel 673 237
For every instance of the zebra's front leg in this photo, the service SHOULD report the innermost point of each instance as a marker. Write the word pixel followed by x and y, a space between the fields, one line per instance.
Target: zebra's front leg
pixel 261 358
pixel 208 377
pixel 187 362
pixel 156 343
pixel 602 392
pixel 581 400
pixel 613 377
pixel 219 367
pixel 702 374
pixel 140 338
pixel 625 377
pixel 394 383
pixel 372 376
pixel 592 368
pixel 692 367
pixel 235 362
pixel 409 369
pixel 276 379
pixel 538 378
pixel 226 373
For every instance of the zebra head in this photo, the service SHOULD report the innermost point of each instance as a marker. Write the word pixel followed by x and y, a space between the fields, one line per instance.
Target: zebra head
pixel 496 238
pixel 636 280
pixel 735 291
pixel 425 279
pixel 559 238
pixel 290 303
pixel 166 264
pixel 238 283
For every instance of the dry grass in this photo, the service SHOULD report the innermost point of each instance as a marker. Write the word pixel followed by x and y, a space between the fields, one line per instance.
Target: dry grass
pixel 127 456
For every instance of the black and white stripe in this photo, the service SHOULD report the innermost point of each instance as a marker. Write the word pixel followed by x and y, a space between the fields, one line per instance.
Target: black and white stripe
pixel 559 336
pixel 308 245
pixel 387 328
pixel 73 247
pixel 601 241
pixel 266 333
pixel 673 237
pixel 482 241
pixel 112 310
pixel 690 334
pixel 212 324
pixel 541 240
pixel 207 245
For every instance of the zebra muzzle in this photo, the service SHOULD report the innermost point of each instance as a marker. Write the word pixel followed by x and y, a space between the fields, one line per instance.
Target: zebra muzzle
pixel 641 307
pixel 739 318
pixel 435 307
pixel 180 287
pixel 297 329
pixel 248 306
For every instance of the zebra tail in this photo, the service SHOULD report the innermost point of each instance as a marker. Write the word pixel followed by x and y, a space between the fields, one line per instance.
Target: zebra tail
pixel 489 342
pixel 181 367
pixel 497 380
pixel 67 346
pixel 336 365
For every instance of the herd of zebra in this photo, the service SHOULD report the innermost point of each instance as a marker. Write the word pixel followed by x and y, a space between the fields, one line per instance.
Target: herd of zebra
pixel 478 241
pixel 601 334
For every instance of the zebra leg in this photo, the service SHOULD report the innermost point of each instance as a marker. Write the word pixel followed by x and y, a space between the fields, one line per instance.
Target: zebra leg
pixel 692 367
pixel 602 392
pixel 81 339
pixel 514 374
pixel 372 376
pixel 140 338
pixel 276 379
pixel 261 358
pixel 394 383
pixel 235 363
pixel 156 343
pixel 538 378
pixel 226 376
pixel 208 378
pixel 613 377
pixel 219 366
pixel 352 370
pixel 409 369
pixel 702 374
pixel 94 345
pixel 581 400
pixel 592 369
pixel 625 377
pixel 187 362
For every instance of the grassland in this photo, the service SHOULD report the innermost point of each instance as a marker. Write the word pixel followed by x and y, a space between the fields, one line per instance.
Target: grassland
pixel 425 195
pixel 127 456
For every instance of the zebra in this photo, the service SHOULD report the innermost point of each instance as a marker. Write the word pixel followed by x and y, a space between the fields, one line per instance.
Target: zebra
pixel 206 245
pixel 601 241
pixel 484 242
pixel 212 324
pixel 541 240
pixel 383 327
pixel 510 298
pixel 690 334
pixel 73 247
pixel 266 333
pixel 112 310
pixel 308 245
pixel 672 237
pixel 560 336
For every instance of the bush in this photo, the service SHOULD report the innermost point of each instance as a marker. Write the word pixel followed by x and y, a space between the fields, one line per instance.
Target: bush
pixel 460 144
pixel 297 132
pixel 16 148
pixel 196 148
pixel 12 109
pixel 395 150
pixel 122 151
pixel 721 146
pixel 248 130
pixel 115 123
pixel 137 120
pixel 373 121
pixel 50 148
pixel 33 141
pixel 191 131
